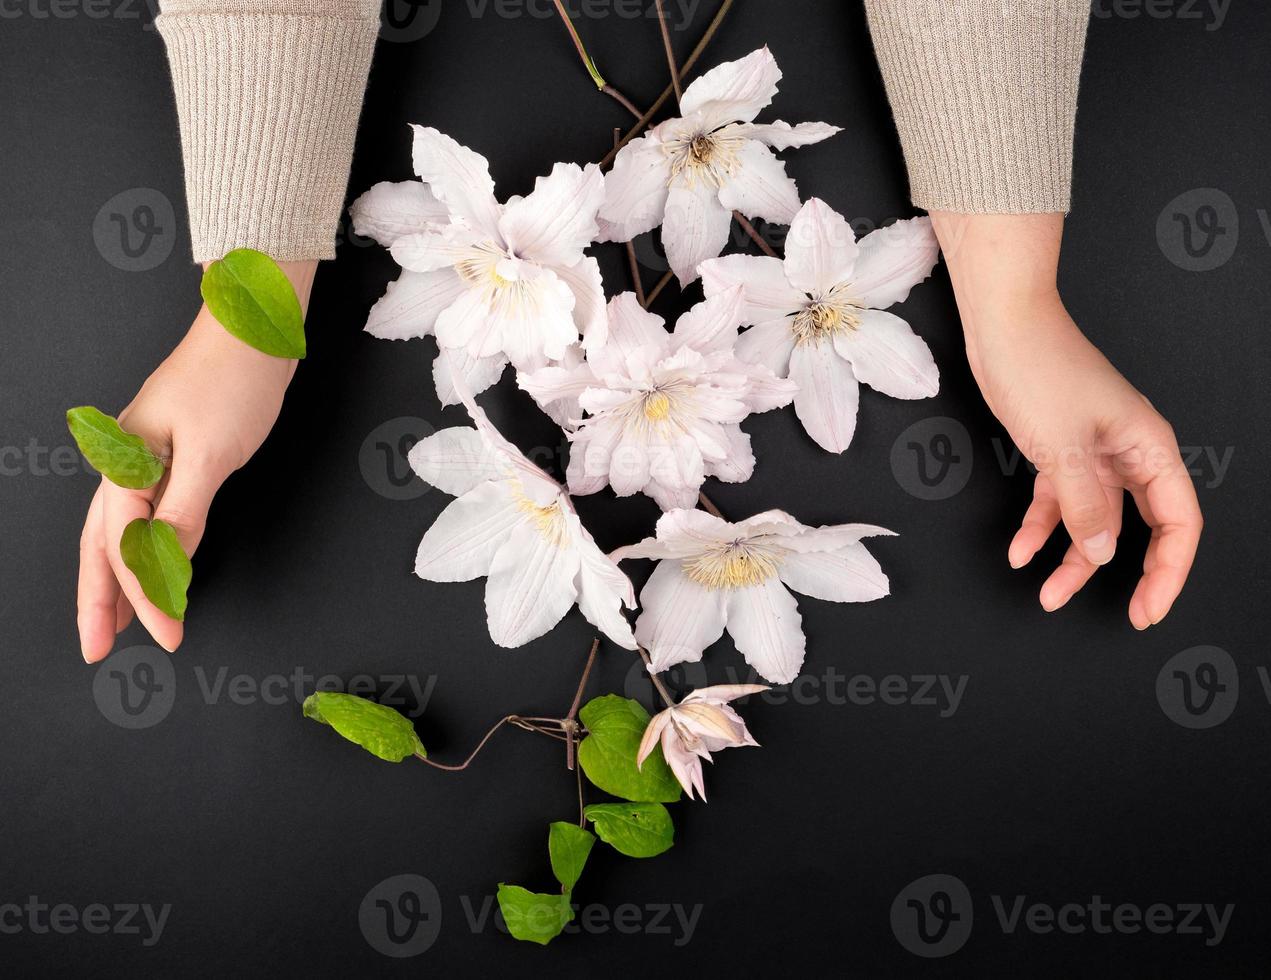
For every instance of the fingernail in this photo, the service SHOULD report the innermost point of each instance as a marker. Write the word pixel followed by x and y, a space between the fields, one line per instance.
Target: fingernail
pixel 1099 548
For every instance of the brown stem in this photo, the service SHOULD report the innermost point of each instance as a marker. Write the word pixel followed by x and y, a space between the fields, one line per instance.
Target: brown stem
pixel 626 103
pixel 670 53
pixel 658 289
pixel 758 239
pixel 709 505
pixel 636 283
pixel 657 681
pixel 570 724
pixel 582 808
pixel 653 110
pixel 520 721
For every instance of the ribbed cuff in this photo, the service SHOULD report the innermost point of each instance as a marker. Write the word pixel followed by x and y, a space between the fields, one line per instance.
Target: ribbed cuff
pixel 268 106
pixel 984 93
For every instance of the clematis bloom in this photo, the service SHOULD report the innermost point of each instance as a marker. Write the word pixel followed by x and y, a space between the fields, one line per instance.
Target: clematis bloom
pixel 702 723
pixel 494 282
pixel 689 174
pixel 514 524
pixel 713 574
pixel 662 409
pixel 817 316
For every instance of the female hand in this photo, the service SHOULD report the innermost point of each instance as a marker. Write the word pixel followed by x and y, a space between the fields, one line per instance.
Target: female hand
pixel 1088 431
pixel 206 409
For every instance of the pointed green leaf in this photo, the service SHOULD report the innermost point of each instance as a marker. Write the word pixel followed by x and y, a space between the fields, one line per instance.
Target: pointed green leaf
pixel 638 830
pixel 121 457
pixel 533 916
pixel 615 726
pixel 379 729
pixel 254 300
pixel 153 553
pixel 568 844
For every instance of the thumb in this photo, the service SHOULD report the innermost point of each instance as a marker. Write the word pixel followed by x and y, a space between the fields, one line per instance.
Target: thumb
pixel 1083 504
pixel 186 498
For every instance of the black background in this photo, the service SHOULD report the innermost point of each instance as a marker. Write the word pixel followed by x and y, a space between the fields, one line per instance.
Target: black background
pixel 1059 777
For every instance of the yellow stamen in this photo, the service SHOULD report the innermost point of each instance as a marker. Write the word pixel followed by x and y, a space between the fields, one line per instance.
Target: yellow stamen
pixel 822 320
pixel 549 520
pixel 734 566
pixel 657 407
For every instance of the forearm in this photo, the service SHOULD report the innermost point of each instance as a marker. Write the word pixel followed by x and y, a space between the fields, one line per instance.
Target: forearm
pixel 268 94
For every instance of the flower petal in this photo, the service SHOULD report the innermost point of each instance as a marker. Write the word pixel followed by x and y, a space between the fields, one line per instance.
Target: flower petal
pixel 455 460
pixel 475 373
pixel 679 618
pixel 760 188
pixel 712 324
pixel 635 190
pixel 821 249
pixel 391 210
pixel 557 220
pixel 459 177
pixel 531 585
pixel 554 384
pixel 602 592
pixel 889 357
pixel 696 228
pixel 766 628
pixel 735 91
pixel 588 288
pixel 652 732
pixel 768 344
pixel 893 260
pixel 438 247
pixel 739 465
pixel 781 135
pixel 410 306
pixel 463 539
pixel 720 693
pixel 828 395
pixel 768 294
pixel 850 574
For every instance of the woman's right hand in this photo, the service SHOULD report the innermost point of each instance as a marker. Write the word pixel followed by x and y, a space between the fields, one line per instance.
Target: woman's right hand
pixel 206 409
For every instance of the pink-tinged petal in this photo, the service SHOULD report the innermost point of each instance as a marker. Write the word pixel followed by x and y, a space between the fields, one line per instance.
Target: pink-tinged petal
pixel 721 693
pixel 676 470
pixel 889 357
pixel 557 220
pixel 459 177
pixel 765 390
pixel 821 249
pixel 554 384
pixel 584 281
pixel 892 261
pixel 411 305
pixel 471 325
pixel 580 482
pixel 711 724
pixel 768 294
pixel 769 345
pixel 679 618
pixel 735 91
pixel 537 329
pixel 391 210
pixel 439 247
pixel 760 187
pixel 476 374
pixel 739 464
pixel 629 466
pixel 681 533
pixel 685 764
pixel 766 628
pixel 462 541
pixel 670 498
pixel 652 732
pixel 829 537
pixel 603 590
pixel 531 586
pixel 635 338
pixel 781 135
pixel 712 324
pixel 849 574
pixel 696 228
pixel 455 460
pixel 828 395
pixel 635 190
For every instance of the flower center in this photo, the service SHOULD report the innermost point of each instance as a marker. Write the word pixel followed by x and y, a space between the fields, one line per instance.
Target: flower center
pixel 822 319
pixel 709 156
pixel 549 520
pixel 657 407
pixel 732 566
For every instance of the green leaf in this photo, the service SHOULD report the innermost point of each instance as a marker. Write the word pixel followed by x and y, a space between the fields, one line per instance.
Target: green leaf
pixel 379 729
pixel 569 845
pixel 638 830
pixel 254 300
pixel 153 553
pixel 121 457
pixel 533 916
pixel 615 726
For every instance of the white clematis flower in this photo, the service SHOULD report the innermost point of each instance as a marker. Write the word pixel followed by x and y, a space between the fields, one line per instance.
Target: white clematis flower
pixel 689 174
pixel 516 525
pixel 662 408
pixel 714 574
pixel 391 210
pixel 690 731
pixel 817 316
pixel 495 282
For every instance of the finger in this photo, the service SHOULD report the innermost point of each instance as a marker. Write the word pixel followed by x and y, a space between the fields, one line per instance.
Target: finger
pixel 1168 503
pixel 123 614
pixel 98 588
pixel 1040 521
pixel 1084 505
pixel 1076 570
pixel 186 499
pixel 121 507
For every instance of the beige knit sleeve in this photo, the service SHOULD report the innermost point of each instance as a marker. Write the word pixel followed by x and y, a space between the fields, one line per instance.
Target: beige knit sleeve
pixel 268 94
pixel 984 93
